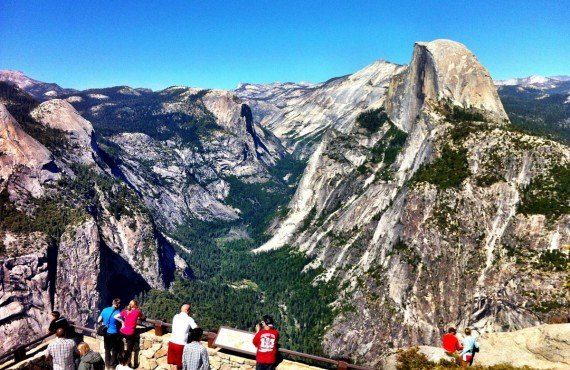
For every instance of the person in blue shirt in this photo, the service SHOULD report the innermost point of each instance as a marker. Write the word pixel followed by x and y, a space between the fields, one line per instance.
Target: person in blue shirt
pixel 112 340
pixel 470 346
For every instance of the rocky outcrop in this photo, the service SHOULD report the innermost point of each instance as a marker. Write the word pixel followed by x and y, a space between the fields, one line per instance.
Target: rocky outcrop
pixel 77 294
pixel 61 115
pixel 21 157
pixel 72 244
pixel 540 347
pixel 24 296
pixel 422 213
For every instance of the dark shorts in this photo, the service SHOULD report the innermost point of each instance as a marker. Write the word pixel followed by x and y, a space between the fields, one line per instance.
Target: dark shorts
pixel 259 366
pixel 174 356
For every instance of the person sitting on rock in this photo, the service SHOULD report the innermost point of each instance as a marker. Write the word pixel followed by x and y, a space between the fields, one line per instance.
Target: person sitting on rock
pixel 182 323
pixel 451 344
pixel 90 360
pixel 61 352
pixel 195 355
pixel 58 321
pixel 470 346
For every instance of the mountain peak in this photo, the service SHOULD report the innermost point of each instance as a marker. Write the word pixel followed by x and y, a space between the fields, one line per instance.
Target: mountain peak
pixel 442 70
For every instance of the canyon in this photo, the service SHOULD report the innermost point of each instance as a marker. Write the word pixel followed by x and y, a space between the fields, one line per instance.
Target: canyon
pixel 407 188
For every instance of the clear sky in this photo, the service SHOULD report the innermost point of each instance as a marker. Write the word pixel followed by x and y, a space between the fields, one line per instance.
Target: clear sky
pixel 217 44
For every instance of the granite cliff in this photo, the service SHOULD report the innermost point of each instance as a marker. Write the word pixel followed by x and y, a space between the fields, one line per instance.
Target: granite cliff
pixel 71 233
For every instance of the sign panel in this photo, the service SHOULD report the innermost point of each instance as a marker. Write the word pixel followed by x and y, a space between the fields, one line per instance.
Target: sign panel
pixel 235 340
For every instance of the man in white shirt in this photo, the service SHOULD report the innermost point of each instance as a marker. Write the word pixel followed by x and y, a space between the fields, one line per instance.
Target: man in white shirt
pixel 181 325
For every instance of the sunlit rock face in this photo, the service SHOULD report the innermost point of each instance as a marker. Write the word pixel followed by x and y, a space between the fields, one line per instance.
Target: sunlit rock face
pixel 24 295
pixel 425 219
pixel 21 157
pixel 442 70
pixel 61 115
pixel 300 114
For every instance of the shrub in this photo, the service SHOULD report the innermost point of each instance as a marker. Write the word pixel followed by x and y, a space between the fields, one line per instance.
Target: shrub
pixel 447 171
pixel 372 119
pixel 548 194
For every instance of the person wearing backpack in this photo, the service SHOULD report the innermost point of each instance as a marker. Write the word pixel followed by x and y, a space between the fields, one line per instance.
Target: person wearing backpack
pixel 109 329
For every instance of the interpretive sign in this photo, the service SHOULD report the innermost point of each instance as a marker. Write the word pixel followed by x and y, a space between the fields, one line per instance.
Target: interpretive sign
pixel 235 340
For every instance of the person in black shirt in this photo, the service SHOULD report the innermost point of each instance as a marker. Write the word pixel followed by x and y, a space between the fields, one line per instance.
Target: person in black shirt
pixel 58 322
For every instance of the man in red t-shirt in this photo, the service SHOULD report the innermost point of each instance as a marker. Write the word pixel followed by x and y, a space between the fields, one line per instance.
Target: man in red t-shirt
pixel 266 341
pixel 450 343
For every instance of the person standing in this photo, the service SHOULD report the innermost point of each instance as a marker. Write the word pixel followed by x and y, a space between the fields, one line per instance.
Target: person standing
pixel 129 318
pixel 61 351
pixel 112 339
pixel 90 360
pixel 182 323
pixel 451 344
pixel 266 340
pixel 195 355
pixel 470 346
pixel 57 321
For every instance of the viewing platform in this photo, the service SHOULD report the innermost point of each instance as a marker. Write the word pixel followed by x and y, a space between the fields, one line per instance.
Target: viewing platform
pixel 539 347
pixel 154 348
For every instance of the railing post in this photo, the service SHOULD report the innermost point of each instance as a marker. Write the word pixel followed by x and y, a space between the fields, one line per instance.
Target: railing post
pixel 159 329
pixel 211 340
pixel 19 354
pixel 342 365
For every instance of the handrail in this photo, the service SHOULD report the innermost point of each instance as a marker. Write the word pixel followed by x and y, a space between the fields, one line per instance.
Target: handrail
pixel 158 327
pixel 12 351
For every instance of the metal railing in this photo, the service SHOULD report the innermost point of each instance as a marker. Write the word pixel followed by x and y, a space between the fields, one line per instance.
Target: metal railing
pixel 19 353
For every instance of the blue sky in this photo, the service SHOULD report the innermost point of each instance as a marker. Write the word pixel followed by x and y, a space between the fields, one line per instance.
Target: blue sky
pixel 217 44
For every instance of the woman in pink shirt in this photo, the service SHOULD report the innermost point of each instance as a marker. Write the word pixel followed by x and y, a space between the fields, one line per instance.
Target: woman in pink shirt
pixel 129 318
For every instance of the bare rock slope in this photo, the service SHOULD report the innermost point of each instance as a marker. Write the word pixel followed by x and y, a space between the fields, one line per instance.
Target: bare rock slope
pixel 300 114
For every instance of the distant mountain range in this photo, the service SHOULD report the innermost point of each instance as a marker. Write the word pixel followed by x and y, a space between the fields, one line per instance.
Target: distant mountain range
pixel 538 104
pixel 553 84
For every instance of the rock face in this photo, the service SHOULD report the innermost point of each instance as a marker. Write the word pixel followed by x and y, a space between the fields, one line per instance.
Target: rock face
pixel 75 243
pixel 24 296
pixel 178 146
pixel 60 115
pixel 299 114
pixel 442 70
pixel 21 156
pixel 424 211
